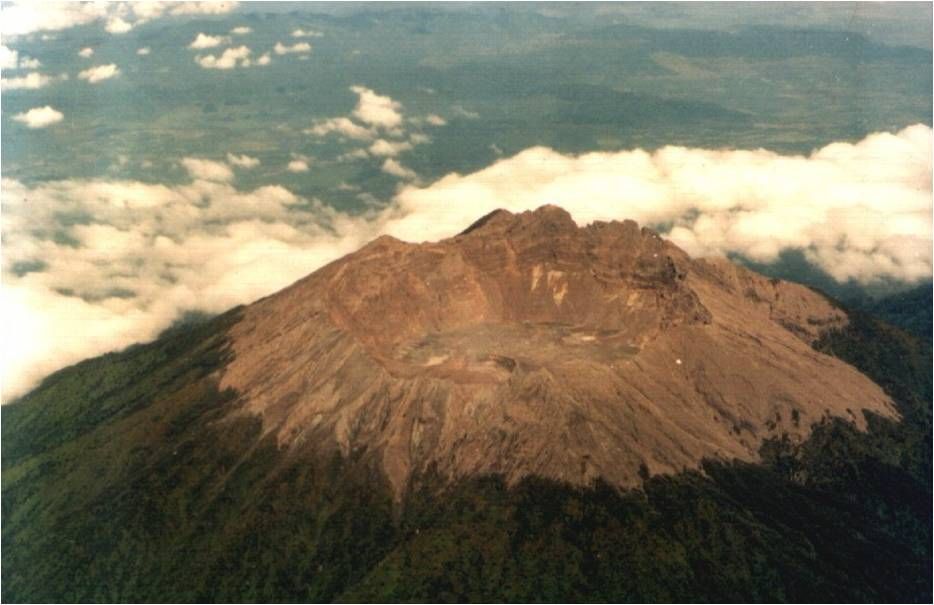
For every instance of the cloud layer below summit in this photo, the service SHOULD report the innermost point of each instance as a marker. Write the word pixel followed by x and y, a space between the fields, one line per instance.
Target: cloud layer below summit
pixel 95 265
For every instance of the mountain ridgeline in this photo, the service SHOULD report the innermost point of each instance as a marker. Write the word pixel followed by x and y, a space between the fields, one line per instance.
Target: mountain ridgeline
pixel 528 411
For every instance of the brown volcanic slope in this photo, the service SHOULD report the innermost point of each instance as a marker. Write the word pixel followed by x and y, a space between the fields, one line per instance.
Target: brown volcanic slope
pixel 527 345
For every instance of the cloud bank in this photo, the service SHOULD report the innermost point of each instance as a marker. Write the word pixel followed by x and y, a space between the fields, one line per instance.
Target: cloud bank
pixel 29 16
pixel 859 211
pixel 132 256
pixel 109 263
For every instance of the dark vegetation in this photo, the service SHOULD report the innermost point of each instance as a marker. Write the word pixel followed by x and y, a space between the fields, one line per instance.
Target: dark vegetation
pixel 910 311
pixel 126 478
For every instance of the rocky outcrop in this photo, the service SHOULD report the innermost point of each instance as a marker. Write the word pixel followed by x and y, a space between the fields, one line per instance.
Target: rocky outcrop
pixel 529 345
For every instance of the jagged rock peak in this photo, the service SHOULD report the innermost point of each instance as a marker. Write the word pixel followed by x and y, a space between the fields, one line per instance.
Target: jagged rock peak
pixel 548 217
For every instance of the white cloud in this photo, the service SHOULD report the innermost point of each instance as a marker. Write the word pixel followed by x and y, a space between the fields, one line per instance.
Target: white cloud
pixel 9 58
pixel 378 114
pixel 241 30
pixel 29 16
pixel 203 40
pixel 301 33
pixel 382 147
pixel 202 245
pixel 298 166
pixel 858 211
pixel 391 166
pixel 435 120
pixel 86 52
pixel 377 110
pixel 200 8
pixel 116 25
pixel 99 73
pixel 342 126
pixel 229 59
pixel 297 48
pixel 143 51
pixel 39 117
pixel 208 170
pixel 264 59
pixel 31 81
pixel 243 161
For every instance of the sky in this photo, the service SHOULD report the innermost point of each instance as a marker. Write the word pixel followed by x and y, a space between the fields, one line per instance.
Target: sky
pixel 160 159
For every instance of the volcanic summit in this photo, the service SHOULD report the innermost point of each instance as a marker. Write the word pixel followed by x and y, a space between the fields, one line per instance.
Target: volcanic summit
pixel 527 345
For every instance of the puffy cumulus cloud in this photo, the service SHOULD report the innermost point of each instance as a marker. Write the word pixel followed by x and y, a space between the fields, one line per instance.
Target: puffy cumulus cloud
pixel 241 30
pixel 382 147
pixel 374 117
pixel 298 165
pixel 143 51
pixel 31 81
pixel 28 16
pixel 243 161
pixel 86 52
pixel 391 166
pixel 116 25
pixel 229 59
pixel 297 48
pixel 435 120
pixel 203 40
pixel 377 110
pixel 99 73
pixel 208 170
pixel 859 211
pixel 40 117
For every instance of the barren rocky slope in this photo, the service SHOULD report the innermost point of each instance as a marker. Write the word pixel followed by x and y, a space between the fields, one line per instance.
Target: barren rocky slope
pixel 527 345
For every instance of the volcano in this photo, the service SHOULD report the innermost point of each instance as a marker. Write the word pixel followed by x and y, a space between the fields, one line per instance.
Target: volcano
pixel 529 410
pixel 527 345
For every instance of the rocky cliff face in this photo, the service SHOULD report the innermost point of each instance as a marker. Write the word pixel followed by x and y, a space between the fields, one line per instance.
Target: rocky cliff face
pixel 527 345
